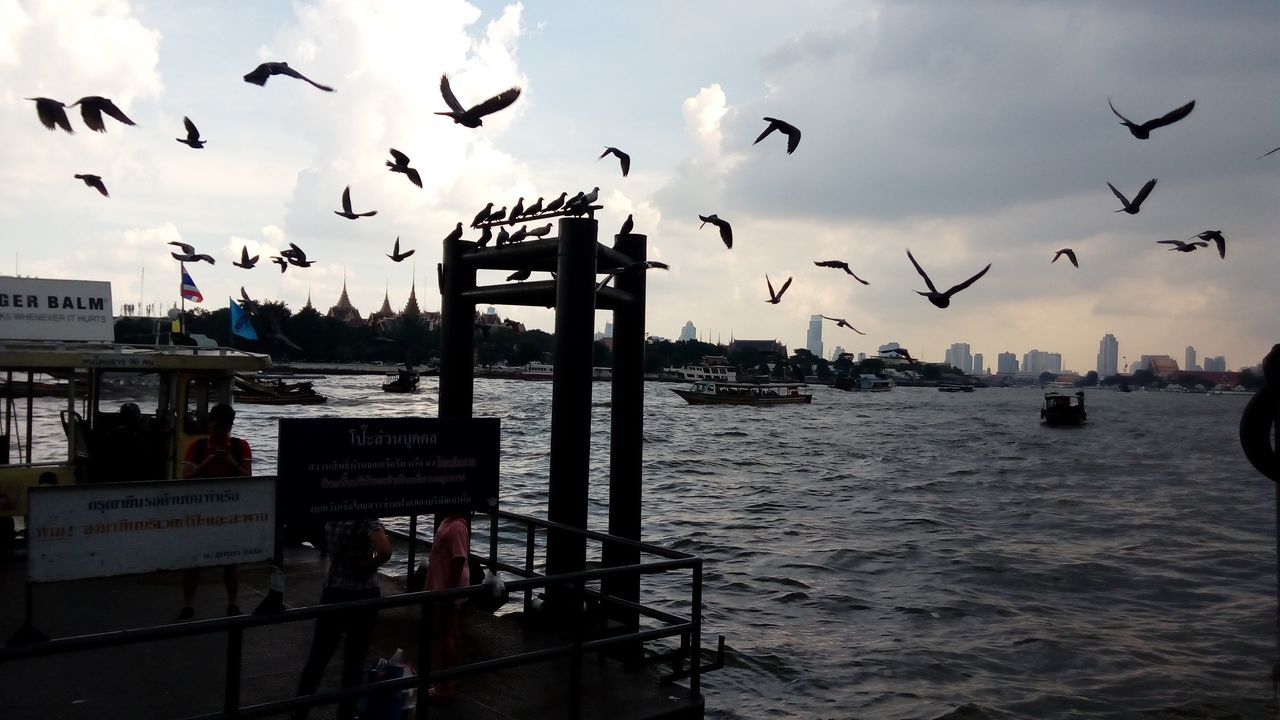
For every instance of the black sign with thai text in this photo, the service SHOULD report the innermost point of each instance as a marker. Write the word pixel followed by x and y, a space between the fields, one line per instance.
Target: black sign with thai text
pixel 386 467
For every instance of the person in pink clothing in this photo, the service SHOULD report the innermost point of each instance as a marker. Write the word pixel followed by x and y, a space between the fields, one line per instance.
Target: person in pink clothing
pixel 448 567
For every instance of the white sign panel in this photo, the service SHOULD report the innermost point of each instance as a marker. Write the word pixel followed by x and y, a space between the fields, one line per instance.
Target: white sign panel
pixel 42 309
pixel 89 531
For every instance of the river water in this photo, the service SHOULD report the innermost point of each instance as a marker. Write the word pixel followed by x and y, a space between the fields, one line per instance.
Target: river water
pixel 896 555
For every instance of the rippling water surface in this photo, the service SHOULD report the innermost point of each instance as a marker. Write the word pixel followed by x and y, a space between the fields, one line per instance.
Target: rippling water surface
pixel 894 555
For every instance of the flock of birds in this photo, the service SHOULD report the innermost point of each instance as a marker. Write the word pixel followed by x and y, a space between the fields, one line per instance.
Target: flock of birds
pixel 53 115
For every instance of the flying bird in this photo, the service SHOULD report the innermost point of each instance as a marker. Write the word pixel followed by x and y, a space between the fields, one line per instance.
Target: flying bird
pixel 91 109
pixel 1133 207
pixel 557 203
pixel 471 117
pixel 284 264
pixel 193 135
pixel 942 300
pixel 189 254
pixel 1071 255
pixel 245 297
pixel 726 231
pixel 623 158
pixel 1181 246
pixel 533 209
pixel 53 114
pixel 791 131
pixel 840 264
pixel 841 322
pixel 246 262
pixel 627 226
pixel 1259 157
pixel 1216 237
pixel 540 232
pixel 259 75
pixel 902 352
pixel 297 256
pixel 1143 131
pixel 346 207
pixel 633 267
pixel 516 210
pixel 396 255
pixel 95 182
pixel 775 298
pixel 519 275
pixel 401 165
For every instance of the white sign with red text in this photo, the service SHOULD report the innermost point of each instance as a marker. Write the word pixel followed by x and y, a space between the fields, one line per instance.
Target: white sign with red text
pixel 44 309
pixel 90 531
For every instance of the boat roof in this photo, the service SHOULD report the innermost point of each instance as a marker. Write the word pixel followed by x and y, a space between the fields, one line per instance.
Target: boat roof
pixel 63 355
pixel 719 383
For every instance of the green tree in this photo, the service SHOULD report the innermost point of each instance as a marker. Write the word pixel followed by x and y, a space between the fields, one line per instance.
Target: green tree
pixel 823 369
pixel 1091 378
pixel 1143 377
pixel 1046 377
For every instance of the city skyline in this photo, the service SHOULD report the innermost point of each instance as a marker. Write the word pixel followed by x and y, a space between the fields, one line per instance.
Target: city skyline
pixel 977 184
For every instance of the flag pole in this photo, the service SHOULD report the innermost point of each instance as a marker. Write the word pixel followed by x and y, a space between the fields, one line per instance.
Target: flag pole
pixel 182 298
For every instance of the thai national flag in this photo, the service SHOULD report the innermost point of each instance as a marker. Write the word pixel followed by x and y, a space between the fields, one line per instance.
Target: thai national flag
pixel 189 289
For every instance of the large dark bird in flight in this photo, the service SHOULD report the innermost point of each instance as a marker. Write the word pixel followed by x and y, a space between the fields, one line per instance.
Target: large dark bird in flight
pixel 1216 237
pixel 623 158
pixel 1181 246
pixel 776 297
pixel 841 322
pixel 1259 157
pixel 94 182
pixel 284 264
pixel 471 117
pixel 841 265
pixel 396 255
pixel 401 165
pixel 259 75
pixel 346 207
pixel 91 109
pixel 633 267
pixel 1071 255
pixel 192 139
pixel 53 114
pixel 943 299
pixel 791 131
pixel 189 254
pixel 1143 131
pixel 246 262
pixel 726 230
pixel 1132 207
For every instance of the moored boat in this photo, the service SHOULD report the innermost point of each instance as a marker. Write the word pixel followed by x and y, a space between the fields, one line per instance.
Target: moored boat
pixel 866 381
pixel 706 392
pixel 254 391
pixel 955 388
pixel 1062 409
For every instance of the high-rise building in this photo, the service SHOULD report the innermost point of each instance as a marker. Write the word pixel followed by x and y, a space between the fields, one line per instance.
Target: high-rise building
pixel 960 358
pixel 978 368
pixel 1108 356
pixel 888 346
pixel 838 352
pixel 1035 362
pixel 608 329
pixel 813 341
pixel 862 356
pixel 688 332
pixel 947 359
pixel 1216 363
pixel 1190 357
pixel 1007 363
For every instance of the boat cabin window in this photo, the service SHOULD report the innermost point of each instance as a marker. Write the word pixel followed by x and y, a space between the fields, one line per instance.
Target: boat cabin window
pixel 202 394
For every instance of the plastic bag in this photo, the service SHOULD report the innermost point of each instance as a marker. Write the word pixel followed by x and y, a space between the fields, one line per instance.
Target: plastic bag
pixel 389 704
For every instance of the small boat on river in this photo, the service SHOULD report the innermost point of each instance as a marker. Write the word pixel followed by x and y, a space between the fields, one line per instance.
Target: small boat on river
pixel 867 381
pixel 707 392
pixel 257 391
pixel 1062 409
pixel 955 388
pixel 403 380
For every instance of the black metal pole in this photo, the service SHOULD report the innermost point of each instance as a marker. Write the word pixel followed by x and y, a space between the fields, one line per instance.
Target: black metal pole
pixel 457 333
pixel 626 437
pixel 571 399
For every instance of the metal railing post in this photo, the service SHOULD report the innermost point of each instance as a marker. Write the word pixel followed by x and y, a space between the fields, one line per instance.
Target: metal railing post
pixel 231 687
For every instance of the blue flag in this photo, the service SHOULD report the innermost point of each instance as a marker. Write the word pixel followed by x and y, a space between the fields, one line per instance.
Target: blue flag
pixel 240 324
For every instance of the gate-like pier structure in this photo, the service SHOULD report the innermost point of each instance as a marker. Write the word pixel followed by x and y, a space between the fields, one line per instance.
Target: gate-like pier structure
pixel 574 257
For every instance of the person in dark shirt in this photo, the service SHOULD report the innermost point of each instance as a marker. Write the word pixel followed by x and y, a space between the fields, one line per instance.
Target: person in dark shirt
pixel 218 456
pixel 356 549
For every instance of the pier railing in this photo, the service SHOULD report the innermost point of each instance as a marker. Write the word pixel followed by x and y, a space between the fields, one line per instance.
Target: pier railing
pixel 593 634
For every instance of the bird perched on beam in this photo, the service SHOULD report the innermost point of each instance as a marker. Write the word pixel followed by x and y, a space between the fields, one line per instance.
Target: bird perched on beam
pixel 189 254
pixel 1143 131
pixel 627 225
pixel 841 265
pixel 520 275
pixel 533 209
pixel 401 165
pixel 192 139
pixel 791 131
pixel 540 232
pixel 472 117
pixel 91 109
pixel 482 216
pixel 259 75
pixel 726 230
pixel 558 203
pixel 53 114
pixel 623 158
pixel 940 299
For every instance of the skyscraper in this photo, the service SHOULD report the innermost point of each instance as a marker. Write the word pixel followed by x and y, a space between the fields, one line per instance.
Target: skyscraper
pixel 1108 356
pixel 1190 358
pixel 688 332
pixel 814 339
pixel 1215 363
pixel 1007 363
pixel 978 368
pixel 960 358
pixel 838 352
pixel 1035 362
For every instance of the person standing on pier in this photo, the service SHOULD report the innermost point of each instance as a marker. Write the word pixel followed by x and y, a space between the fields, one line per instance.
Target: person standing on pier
pixel 448 567
pixel 356 549
pixel 218 456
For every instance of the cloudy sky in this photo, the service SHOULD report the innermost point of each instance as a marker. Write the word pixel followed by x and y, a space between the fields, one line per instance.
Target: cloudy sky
pixel 971 133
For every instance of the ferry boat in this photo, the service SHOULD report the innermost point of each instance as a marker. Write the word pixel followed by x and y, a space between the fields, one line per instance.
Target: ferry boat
pixel 1061 409
pixel 276 391
pixel 401 380
pixel 706 392
pixel 713 367
pixel 537 371
pixel 867 381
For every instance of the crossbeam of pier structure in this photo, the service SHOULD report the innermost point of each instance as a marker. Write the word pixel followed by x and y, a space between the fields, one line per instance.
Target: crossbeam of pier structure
pixel 576 257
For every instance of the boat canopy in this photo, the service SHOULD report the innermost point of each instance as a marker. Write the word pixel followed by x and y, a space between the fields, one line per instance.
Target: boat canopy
pixel 52 356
